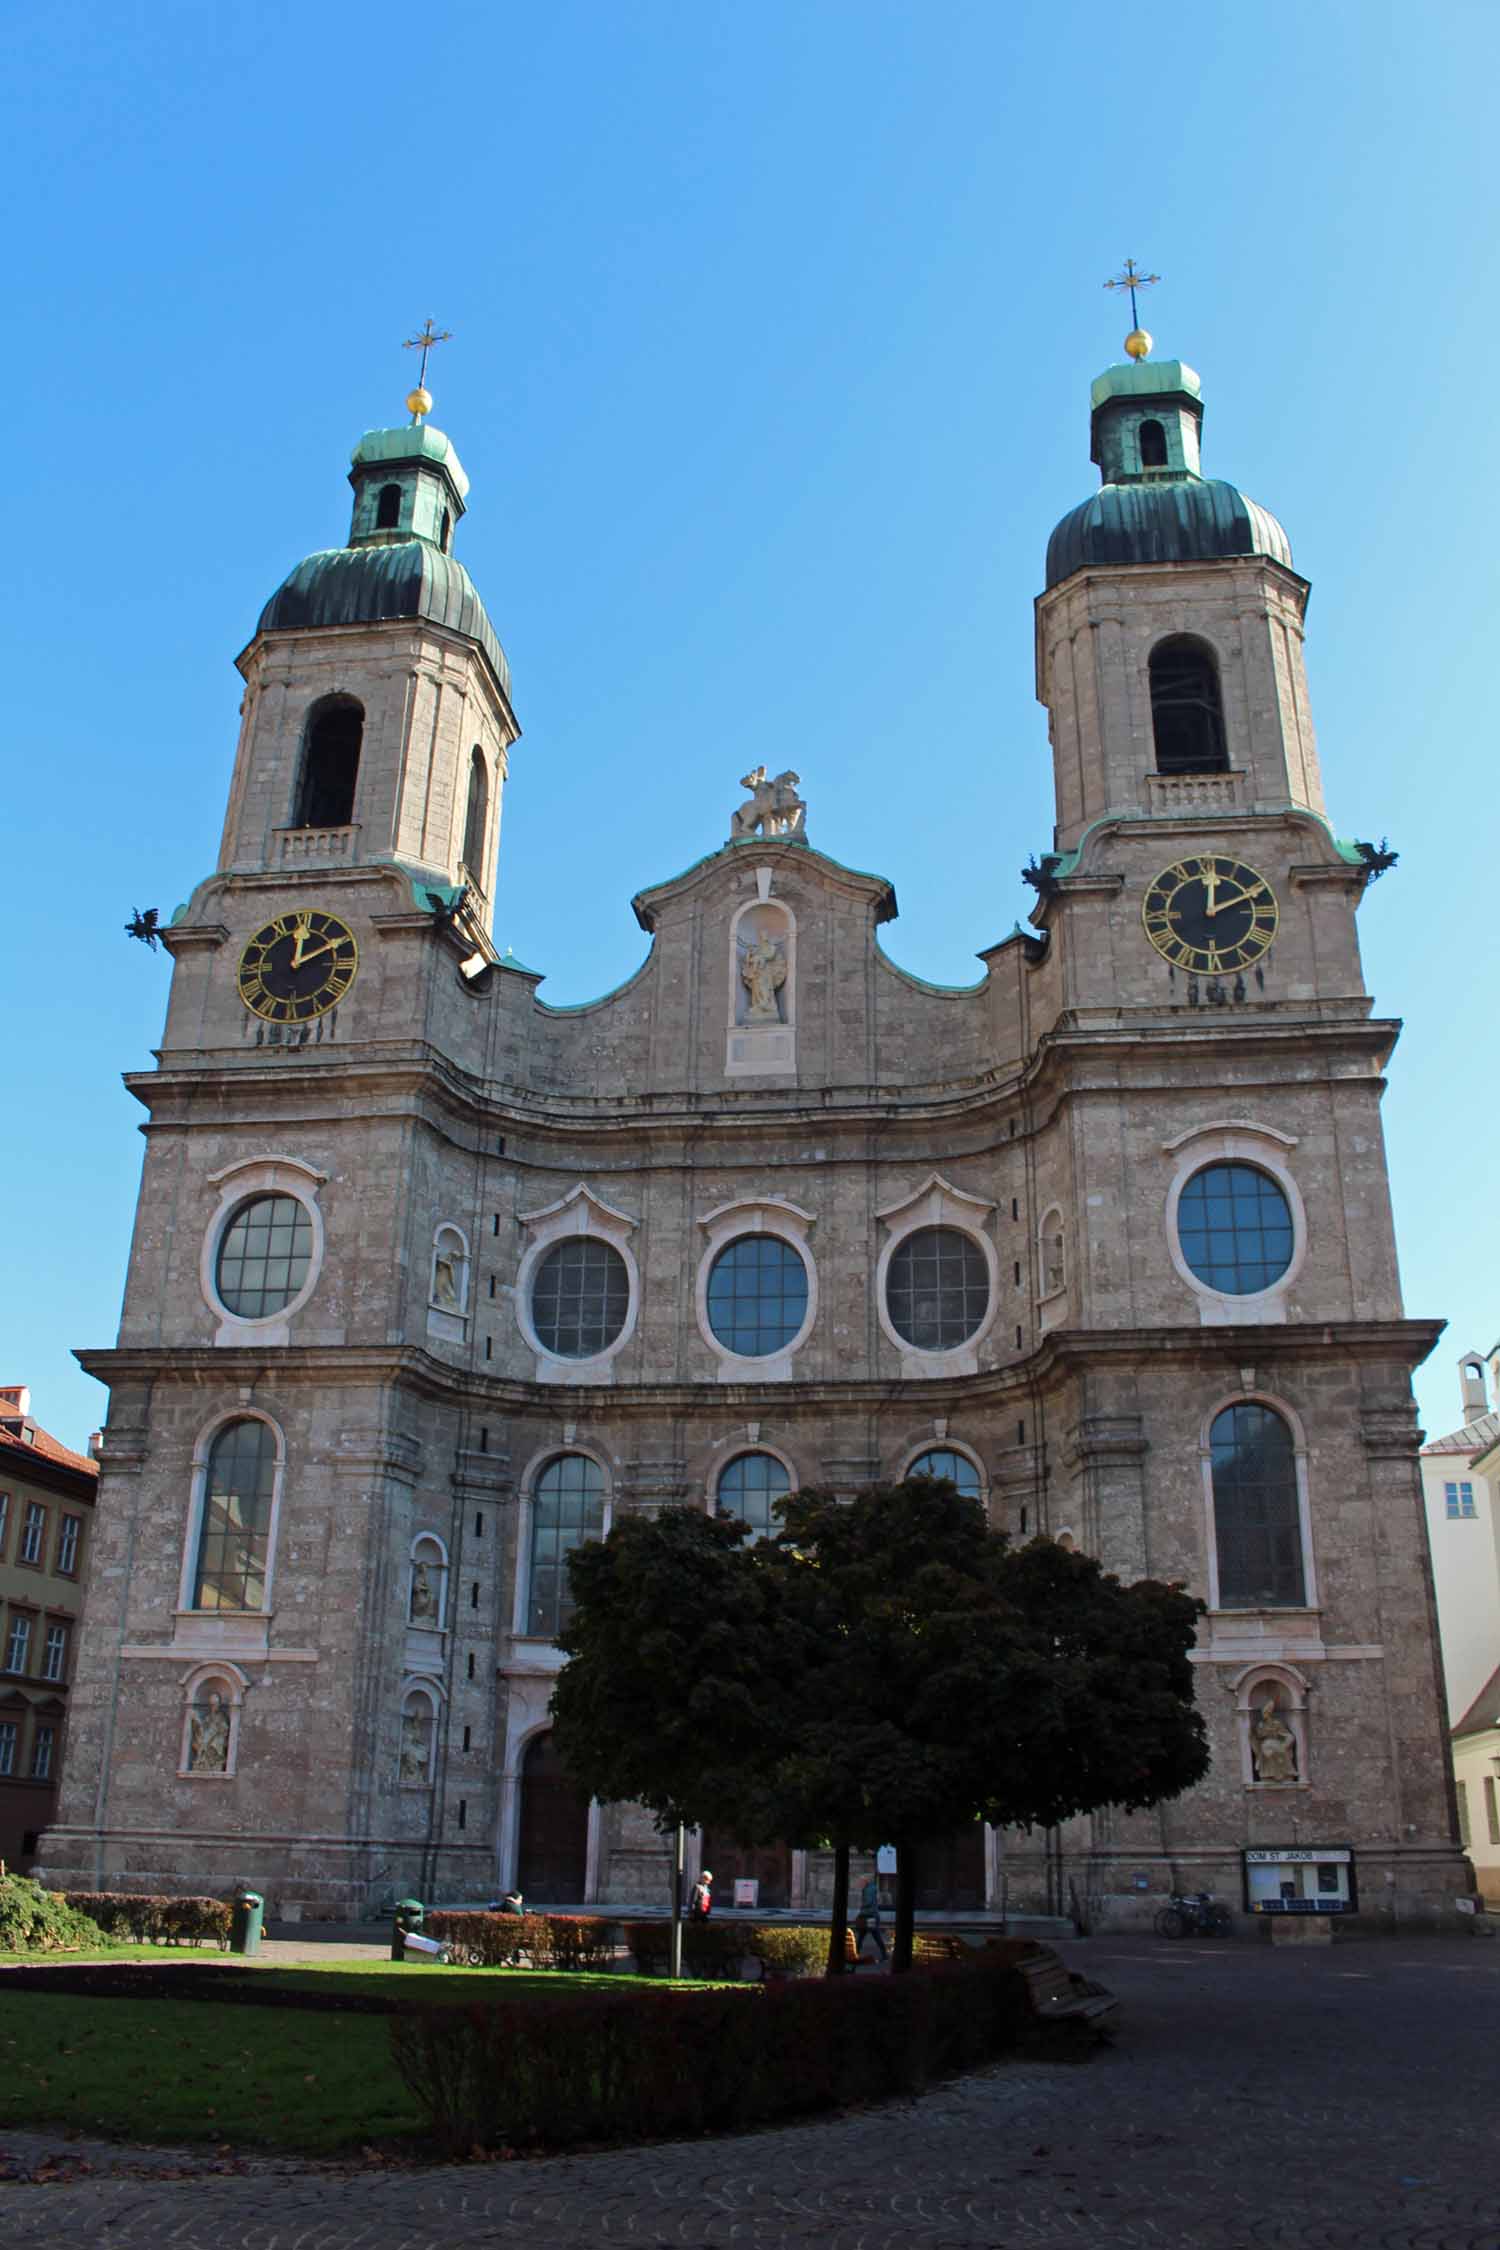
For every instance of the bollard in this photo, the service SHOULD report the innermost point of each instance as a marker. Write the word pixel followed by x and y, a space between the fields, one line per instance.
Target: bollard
pixel 408 1916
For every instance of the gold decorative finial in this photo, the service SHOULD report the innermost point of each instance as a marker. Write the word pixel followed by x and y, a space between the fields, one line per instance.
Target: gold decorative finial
pixel 419 401
pixel 1138 342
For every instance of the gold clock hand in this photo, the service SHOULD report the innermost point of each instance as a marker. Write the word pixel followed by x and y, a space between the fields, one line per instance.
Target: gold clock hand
pixel 310 953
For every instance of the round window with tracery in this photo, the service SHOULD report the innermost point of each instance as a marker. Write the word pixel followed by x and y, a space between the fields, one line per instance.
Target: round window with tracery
pixel 580 1298
pixel 937 1289
pixel 264 1256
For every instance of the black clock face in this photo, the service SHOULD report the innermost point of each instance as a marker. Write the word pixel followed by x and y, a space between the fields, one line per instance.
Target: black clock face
pixel 1210 914
pixel 298 966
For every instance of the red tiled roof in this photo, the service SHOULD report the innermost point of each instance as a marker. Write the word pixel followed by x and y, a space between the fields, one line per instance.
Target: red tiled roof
pixel 44 1445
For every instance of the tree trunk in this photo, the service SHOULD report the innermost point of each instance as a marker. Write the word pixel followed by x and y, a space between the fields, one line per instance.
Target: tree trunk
pixel 906 1907
pixel 838 1925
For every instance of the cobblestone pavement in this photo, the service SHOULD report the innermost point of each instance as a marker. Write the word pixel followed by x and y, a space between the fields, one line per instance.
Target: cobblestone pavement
pixel 1337 2099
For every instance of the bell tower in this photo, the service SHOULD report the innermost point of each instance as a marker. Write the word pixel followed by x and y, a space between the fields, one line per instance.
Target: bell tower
pixel 376 722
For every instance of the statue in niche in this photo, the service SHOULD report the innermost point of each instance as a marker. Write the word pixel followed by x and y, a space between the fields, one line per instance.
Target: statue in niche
pixel 414 1753
pixel 763 973
pixel 1054 1265
pixel 775 809
pixel 424 1606
pixel 1273 1746
pixel 208 1736
pixel 447 1268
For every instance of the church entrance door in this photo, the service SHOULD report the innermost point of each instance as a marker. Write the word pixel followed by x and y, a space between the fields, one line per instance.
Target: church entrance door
pixel 768 1864
pixel 552 1863
pixel 950 1872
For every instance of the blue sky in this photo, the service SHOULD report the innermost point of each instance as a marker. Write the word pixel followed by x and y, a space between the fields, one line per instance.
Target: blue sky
pixel 773 331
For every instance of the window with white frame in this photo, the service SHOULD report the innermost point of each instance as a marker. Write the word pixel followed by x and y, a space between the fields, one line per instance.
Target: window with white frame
pixel 943 1462
pixel 18 1642
pixel 33 1532
pixel 234 1537
pixel 9 1737
pixel 67 1546
pixel 55 1652
pixel 757 1295
pixel 43 1742
pixel 1257 1509
pixel 1458 1498
pixel 749 1487
pixel 567 1508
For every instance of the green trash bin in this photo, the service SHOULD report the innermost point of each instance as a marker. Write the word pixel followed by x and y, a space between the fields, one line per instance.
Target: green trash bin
pixel 408 1917
pixel 246 1922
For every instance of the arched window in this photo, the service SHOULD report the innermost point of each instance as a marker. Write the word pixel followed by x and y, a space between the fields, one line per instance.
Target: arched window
pixel 937 1288
pixel 942 1461
pixel 1153 445
pixel 234 1538
pixel 748 1487
pixel 580 1297
pixel 567 1507
pixel 330 764
pixel 757 1295
pixel 446 532
pixel 1187 714
pixel 477 818
pixel 388 508
pixel 1257 1519
pixel 264 1254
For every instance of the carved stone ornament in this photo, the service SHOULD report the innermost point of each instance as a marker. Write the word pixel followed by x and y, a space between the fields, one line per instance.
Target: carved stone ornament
pixel 775 809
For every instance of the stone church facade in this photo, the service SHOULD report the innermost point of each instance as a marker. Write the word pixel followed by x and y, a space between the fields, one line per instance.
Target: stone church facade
pixel 430 1280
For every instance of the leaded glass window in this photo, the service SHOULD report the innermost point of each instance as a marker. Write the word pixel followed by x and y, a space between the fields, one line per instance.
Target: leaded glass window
pixel 1235 1228
pixel 1257 1521
pixel 567 1507
pixel 264 1256
pixel 235 1539
pixel 937 1288
pixel 757 1295
pixel 580 1297
pixel 749 1485
pixel 942 1461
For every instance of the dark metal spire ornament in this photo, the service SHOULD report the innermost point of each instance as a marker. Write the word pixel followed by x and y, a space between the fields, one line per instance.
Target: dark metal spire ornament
pixel 419 401
pixel 1138 342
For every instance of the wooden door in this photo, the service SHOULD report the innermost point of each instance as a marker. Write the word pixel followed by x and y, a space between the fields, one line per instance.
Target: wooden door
pixel 552 1863
pixel 950 1872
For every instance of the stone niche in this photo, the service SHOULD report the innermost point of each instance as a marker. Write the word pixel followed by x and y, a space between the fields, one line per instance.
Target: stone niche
pixel 762 1032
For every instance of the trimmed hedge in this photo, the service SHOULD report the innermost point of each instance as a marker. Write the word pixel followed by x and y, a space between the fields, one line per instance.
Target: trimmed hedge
pixel 587 1941
pixel 36 1921
pixel 548 1941
pixel 145 1919
pixel 636 2065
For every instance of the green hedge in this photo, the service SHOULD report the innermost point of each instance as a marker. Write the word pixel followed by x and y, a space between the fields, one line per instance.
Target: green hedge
pixel 548 1941
pixel 36 1921
pixel 633 2065
pixel 143 1918
pixel 587 1941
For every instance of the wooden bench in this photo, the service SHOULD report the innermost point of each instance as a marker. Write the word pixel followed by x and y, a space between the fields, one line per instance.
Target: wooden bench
pixel 1056 1996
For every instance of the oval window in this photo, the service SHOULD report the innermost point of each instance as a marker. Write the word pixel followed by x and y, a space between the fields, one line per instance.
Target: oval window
pixel 1234 1226
pixel 264 1256
pixel 757 1295
pixel 937 1288
pixel 580 1298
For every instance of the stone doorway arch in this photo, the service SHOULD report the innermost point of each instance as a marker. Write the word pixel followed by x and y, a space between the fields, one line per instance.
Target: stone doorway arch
pixel 552 1857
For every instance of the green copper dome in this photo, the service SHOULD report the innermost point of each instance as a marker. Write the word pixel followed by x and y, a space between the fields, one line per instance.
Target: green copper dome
pixel 1153 504
pixel 409 493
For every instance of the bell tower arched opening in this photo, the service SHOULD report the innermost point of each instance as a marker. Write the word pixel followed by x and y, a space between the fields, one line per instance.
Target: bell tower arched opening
pixel 330 764
pixel 1187 710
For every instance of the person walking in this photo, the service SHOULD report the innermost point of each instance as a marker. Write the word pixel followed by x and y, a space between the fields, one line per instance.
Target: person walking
pixel 867 1921
pixel 700 1904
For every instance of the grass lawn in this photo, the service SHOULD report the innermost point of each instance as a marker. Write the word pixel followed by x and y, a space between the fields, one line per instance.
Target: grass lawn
pixel 168 2070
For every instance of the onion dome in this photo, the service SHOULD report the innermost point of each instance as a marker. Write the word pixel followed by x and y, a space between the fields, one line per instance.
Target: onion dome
pixel 409 492
pixel 1154 505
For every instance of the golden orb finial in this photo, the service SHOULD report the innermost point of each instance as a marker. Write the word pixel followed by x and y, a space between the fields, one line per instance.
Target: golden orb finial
pixel 1138 343
pixel 419 402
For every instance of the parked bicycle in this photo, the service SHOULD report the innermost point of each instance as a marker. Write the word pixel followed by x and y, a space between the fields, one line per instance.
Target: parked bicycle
pixel 1194 1914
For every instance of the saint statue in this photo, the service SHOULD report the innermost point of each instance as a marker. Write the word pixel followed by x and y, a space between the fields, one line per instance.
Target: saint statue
pixel 424 1608
pixel 414 1749
pixel 445 1266
pixel 763 973
pixel 1273 1746
pixel 208 1736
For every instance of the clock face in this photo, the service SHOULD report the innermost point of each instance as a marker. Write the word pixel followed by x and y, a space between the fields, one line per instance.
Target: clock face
pixel 298 966
pixel 1210 914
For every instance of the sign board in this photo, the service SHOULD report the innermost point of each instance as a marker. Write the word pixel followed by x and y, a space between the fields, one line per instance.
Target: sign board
pixel 746 1890
pixel 1300 1879
pixel 885 1860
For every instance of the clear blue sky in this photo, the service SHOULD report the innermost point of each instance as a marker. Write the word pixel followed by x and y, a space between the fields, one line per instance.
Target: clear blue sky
pixel 773 331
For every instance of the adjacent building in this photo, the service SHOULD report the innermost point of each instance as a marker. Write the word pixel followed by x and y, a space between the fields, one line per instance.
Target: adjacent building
pixel 47 1495
pixel 432 1280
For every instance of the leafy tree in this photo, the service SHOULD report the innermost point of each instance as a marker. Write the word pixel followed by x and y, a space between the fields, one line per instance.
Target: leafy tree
pixel 883 1671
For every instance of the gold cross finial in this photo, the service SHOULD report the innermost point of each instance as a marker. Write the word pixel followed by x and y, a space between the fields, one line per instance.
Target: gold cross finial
pixel 1130 277
pixel 420 400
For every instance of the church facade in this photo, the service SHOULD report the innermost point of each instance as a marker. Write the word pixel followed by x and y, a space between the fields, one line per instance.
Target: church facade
pixel 431 1280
